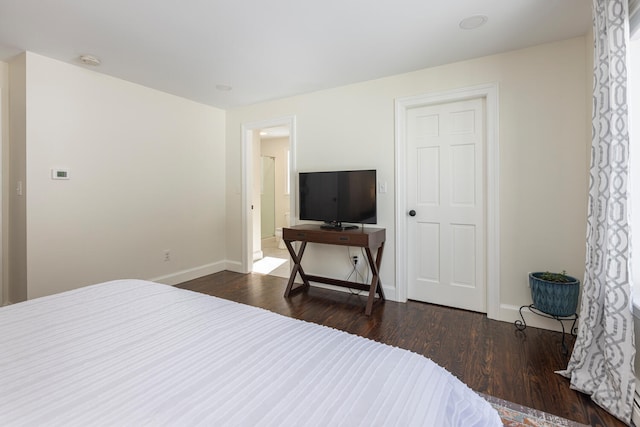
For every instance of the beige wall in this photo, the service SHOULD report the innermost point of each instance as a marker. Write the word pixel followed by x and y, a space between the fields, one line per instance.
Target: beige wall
pixel 4 180
pixel 543 155
pixel 17 239
pixel 148 169
pixel 147 175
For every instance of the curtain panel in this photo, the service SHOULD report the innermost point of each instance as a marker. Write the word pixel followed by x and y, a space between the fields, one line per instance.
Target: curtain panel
pixel 601 363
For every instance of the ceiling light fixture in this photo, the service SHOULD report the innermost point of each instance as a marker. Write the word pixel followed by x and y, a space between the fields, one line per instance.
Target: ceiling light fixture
pixel 90 60
pixel 224 88
pixel 473 22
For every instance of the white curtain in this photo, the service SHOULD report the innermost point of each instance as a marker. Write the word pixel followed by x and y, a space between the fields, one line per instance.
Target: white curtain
pixel 601 364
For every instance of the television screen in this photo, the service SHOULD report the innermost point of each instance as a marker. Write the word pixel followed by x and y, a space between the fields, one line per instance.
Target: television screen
pixel 337 197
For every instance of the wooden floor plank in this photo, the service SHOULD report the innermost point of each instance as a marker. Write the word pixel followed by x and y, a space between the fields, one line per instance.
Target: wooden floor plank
pixel 491 357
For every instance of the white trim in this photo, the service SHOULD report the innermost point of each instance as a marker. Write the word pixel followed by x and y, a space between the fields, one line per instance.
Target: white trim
pixel 191 273
pixel 234 266
pixel 489 92
pixel 510 313
pixel 247 179
pixel 389 291
pixel 3 291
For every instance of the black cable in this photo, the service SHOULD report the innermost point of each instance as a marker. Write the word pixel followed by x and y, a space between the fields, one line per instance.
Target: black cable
pixel 354 270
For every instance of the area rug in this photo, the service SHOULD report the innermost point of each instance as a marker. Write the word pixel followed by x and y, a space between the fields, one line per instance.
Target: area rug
pixel 514 415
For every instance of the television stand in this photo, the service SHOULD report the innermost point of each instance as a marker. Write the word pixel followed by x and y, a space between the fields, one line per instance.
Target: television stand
pixel 368 238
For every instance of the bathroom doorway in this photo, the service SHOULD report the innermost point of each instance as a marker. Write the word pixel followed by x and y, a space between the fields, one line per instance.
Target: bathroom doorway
pixel 273 156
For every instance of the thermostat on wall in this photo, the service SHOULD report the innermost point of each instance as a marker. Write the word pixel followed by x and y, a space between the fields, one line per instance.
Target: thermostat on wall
pixel 59 173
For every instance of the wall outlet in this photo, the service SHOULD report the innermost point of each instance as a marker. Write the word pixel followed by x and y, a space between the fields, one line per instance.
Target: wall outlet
pixel 167 255
pixel 355 259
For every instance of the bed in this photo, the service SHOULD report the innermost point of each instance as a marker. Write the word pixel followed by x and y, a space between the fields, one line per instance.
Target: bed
pixel 138 353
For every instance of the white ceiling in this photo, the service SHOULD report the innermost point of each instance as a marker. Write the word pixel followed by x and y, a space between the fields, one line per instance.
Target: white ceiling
pixel 269 49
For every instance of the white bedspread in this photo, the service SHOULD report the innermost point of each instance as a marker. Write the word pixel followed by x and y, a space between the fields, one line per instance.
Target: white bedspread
pixel 137 353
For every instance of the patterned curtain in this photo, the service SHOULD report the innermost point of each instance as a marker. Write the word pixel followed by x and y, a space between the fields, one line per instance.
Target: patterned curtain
pixel 602 360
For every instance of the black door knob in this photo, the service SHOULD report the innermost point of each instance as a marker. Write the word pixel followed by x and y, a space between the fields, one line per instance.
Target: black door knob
pixel 412 213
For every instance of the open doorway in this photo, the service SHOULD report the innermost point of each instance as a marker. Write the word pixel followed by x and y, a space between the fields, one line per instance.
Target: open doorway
pixel 261 139
pixel 271 196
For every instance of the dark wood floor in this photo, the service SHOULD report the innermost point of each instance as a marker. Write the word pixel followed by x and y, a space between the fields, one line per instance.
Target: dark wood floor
pixel 489 356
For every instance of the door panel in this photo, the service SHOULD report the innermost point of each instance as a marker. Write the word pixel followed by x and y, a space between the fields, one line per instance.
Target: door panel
pixel 463 168
pixel 429 255
pixel 463 250
pixel 429 171
pixel 445 186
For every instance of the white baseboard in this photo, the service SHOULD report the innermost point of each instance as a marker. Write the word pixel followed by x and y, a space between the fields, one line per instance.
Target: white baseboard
pixel 389 292
pixel 508 313
pixel 190 274
pixel 511 313
pixel 235 266
pixel 258 255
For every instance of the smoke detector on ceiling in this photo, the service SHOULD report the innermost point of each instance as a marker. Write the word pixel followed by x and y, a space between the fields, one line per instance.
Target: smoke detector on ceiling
pixel 473 22
pixel 89 60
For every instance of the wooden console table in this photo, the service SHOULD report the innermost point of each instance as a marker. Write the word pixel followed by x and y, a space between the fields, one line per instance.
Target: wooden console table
pixel 368 238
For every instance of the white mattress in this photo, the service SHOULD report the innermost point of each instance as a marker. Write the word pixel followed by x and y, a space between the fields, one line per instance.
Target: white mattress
pixel 139 353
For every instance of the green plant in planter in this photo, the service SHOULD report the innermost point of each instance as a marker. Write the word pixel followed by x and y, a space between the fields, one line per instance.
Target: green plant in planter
pixel 555 293
pixel 557 277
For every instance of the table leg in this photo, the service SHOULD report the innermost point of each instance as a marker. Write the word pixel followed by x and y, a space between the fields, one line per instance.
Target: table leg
pixel 297 267
pixel 376 283
pixel 378 262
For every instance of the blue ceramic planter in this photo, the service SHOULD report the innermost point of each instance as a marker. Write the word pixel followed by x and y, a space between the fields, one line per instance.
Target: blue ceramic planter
pixel 556 299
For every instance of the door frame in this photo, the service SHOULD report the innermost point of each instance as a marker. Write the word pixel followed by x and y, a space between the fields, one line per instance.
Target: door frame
pixel 488 92
pixel 247 181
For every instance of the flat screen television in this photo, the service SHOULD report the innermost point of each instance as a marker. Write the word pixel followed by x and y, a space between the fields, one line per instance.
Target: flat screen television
pixel 338 197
